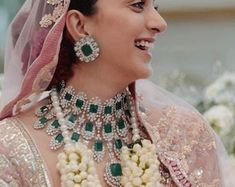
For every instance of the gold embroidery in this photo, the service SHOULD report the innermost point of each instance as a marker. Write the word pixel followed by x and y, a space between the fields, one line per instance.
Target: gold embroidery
pixel 44 76
pixel 184 138
pixel 50 18
pixel 23 157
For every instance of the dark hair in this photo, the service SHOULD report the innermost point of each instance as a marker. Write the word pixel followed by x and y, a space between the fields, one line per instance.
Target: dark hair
pixel 67 55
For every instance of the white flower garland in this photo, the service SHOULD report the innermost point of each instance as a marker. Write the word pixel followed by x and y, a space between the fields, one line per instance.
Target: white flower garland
pixel 140 165
pixel 77 167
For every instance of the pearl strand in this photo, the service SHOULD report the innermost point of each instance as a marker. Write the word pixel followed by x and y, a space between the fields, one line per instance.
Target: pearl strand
pixel 135 159
pixel 60 117
pixel 80 169
pixel 135 129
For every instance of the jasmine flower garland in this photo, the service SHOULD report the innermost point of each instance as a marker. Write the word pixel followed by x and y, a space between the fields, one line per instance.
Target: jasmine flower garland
pixel 77 167
pixel 140 165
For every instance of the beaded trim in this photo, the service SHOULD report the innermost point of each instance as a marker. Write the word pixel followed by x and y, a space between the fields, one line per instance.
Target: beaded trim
pixel 179 176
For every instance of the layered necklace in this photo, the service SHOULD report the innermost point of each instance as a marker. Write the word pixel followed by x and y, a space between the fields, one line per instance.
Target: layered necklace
pixel 89 129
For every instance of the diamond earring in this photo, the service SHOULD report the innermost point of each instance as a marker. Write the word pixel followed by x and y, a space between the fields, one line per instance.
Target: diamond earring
pixel 87 49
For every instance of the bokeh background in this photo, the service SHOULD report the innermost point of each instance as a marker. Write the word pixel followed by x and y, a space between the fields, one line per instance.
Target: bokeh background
pixel 197 49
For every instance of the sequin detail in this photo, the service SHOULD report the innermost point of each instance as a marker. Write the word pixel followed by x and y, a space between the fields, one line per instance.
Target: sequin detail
pixel 59 9
pixel 20 164
pixel 185 145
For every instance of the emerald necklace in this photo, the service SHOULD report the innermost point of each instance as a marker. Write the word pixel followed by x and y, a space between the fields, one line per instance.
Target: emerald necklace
pixel 90 129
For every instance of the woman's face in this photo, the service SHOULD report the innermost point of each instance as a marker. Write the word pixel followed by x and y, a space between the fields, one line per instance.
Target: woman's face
pixel 125 31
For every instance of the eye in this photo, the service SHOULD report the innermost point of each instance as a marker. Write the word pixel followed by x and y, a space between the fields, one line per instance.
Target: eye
pixel 139 5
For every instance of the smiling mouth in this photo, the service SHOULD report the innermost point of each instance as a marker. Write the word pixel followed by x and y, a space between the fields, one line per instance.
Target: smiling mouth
pixel 144 45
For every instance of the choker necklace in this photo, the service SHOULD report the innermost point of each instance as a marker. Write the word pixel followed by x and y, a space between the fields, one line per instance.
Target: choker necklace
pixel 77 122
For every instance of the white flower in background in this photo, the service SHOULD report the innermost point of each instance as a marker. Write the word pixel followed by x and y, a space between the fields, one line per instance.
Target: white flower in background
pixel 222 91
pixel 221 118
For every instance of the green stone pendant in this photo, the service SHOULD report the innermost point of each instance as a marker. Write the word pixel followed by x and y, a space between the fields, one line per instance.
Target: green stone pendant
pixel 56 141
pixel 71 121
pixel 108 131
pixel 116 170
pixel 117 147
pixel 68 97
pixel 53 128
pixel 121 127
pixel 99 150
pixel 88 131
pixel 93 108
pixel 89 127
pixel 121 124
pixel 79 103
pixel 75 137
pixel 41 123
pixel 42 111
pixel 119 105
pixel 113 173
pixel 108 110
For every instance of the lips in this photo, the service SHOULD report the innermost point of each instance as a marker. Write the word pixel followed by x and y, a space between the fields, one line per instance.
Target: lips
pixel 144 44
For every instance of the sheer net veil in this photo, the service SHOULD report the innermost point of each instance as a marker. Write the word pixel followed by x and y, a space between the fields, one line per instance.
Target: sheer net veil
pixel 187 146
pixel 181 134
pixel 32 51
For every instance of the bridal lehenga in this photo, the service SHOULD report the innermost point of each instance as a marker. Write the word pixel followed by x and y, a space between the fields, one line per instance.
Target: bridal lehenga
pixel 188 152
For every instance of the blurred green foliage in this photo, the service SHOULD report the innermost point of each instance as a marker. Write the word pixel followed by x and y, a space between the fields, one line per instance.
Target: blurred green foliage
pixel 10 8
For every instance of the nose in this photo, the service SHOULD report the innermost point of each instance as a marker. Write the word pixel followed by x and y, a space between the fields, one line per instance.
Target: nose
pixel 155 22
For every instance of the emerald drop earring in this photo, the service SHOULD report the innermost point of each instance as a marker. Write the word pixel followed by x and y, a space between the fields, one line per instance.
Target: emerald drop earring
pixel 87 49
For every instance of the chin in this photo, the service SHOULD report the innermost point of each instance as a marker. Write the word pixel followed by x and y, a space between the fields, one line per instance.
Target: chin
pixel 144 72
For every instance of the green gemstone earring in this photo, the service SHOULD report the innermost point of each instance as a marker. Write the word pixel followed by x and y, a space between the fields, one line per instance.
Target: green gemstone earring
pixel 87 49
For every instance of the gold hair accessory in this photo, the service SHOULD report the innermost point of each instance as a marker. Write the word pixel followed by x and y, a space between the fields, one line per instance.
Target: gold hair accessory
pixel 49 19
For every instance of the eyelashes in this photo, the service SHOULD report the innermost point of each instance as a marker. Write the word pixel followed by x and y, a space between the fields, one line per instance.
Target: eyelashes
pixel 140 5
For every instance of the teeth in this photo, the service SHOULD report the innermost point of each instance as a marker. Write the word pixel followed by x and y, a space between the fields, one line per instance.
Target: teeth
pixel 143 43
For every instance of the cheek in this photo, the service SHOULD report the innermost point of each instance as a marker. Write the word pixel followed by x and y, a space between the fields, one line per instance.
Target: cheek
pixel 117 29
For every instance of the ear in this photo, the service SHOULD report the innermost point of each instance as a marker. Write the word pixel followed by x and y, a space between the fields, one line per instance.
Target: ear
pixel 75 21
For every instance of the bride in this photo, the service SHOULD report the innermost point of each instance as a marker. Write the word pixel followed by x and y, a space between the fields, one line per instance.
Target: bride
pixel 75 112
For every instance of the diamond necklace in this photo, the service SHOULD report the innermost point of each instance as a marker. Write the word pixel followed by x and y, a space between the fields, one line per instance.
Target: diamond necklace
pixel 90 120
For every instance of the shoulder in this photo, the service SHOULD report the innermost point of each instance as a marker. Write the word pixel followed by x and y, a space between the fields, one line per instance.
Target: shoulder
pixel 159 104
pixel 186 143
pixel 174 119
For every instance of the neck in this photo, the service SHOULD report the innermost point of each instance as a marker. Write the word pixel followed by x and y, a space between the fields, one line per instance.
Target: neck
pixel 99 80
